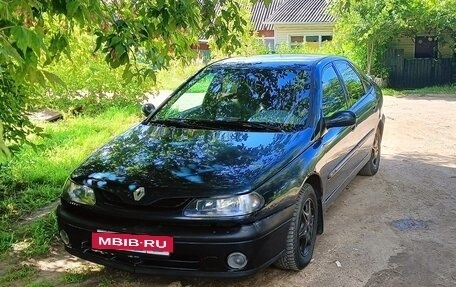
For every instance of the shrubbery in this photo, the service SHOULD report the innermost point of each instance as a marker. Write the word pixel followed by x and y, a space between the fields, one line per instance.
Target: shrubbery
pixel 90 84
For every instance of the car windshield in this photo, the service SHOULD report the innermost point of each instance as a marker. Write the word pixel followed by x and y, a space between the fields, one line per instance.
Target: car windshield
pixel 249 97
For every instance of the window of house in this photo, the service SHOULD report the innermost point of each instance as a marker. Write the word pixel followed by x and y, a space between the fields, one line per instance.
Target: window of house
pixel 426 46
pixel 296 40
pixel 333 94
pixel 313 41
pixel 326 38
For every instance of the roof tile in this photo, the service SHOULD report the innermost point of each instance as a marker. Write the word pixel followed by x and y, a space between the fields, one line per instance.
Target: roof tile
pixel 261 12
pixel 301 11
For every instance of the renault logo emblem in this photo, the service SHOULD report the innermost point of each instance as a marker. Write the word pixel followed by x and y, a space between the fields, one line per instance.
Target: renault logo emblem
pixel 139 193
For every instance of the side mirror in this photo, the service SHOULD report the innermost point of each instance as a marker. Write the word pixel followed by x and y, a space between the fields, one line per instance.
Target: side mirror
pixel 147 109
pixel 341 119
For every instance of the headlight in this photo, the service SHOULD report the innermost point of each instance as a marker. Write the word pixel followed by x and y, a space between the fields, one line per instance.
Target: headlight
pixel 228 206
pixel 78 193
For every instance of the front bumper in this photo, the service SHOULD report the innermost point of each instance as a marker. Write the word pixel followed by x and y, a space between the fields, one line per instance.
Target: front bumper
pixel 198 250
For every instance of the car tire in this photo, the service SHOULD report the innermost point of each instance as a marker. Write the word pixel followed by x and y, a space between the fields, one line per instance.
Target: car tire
pixel 302 232
pixel 371 167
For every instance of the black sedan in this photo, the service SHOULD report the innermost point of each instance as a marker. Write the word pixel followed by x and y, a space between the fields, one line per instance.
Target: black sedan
pixel 231 173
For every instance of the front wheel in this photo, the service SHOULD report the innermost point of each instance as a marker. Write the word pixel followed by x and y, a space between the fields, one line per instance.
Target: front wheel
pixel 373 164
pixel 302 233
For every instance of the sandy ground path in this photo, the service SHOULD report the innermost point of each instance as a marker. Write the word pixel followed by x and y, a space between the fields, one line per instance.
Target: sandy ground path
pixel 397 228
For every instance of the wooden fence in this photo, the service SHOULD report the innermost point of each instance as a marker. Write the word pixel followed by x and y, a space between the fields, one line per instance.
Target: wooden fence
pixel 418 73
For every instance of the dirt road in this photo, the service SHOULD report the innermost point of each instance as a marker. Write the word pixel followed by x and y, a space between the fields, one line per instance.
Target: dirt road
pixel 397 228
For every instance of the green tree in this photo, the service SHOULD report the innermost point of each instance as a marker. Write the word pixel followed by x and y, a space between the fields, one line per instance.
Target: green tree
pixel 142 36
pixel 365 28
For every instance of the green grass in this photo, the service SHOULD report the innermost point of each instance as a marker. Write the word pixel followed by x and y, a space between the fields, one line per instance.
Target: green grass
pixel 33 179
pixel 15 274
pixel 40 233
pixel 446 89
pixel 173 77
pixel 76 277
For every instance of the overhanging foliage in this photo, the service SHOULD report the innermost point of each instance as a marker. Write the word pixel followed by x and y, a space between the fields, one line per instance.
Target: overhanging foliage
pixel 140 36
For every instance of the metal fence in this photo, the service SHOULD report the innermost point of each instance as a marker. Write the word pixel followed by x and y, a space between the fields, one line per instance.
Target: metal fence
pixel 418 73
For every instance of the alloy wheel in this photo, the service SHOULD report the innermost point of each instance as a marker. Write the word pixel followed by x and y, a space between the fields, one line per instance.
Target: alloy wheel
pixel 306 227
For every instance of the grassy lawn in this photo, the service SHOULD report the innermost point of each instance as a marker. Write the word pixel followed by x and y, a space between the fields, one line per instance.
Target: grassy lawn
pixel 34 178
pixel 447 89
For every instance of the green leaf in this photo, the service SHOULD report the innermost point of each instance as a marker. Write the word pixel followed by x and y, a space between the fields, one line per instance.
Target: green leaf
pixel 99 41
pixel 53 78
pixel 40 78
pixel 22 37
pixel 114 40
pixel 127 75
pixel 5 154
pixel 35 42
pixel 124 59
pixel 151 74
pixel 120 50
pixel 9 51
pixel 72 7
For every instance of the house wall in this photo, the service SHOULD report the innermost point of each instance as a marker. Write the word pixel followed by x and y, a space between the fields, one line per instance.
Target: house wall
pixel 408 45
pixel 284 31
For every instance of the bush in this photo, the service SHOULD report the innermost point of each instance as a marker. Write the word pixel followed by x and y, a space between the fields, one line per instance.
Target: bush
pixel 90 84
pixel 15 126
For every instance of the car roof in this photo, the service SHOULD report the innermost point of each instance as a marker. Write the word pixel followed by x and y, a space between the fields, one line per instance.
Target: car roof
pixel 275 60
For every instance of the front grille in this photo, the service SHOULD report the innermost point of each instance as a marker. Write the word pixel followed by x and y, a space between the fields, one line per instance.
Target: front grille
pixel 109 198
pixel 178 262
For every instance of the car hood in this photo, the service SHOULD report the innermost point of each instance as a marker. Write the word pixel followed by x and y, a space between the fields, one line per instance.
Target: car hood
pixel 178 162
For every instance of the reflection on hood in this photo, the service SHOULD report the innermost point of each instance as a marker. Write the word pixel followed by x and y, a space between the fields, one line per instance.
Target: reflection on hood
pixel 167 159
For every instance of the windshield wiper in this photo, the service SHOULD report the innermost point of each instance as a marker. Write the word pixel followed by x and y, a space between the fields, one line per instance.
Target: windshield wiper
pixel 217 124
pixel 182 123
pixel 253 125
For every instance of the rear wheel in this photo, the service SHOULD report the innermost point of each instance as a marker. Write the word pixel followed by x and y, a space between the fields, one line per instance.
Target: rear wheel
pixel 302 233
pixel 373 164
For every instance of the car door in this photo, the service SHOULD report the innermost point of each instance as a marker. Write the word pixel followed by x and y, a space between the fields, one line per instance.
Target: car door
pixel 361 101
pixel 338 142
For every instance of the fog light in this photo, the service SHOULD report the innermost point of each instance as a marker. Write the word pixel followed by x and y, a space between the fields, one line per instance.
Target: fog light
pixel 237 260
pixel 64 237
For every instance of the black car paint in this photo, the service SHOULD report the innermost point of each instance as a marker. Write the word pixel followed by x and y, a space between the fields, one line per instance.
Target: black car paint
pixel 203 162
pixel 172 162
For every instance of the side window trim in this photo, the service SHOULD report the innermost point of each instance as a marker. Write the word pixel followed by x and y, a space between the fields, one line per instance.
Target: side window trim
pixel 355 70
pixel 329 66
pixel 342 82
pixel 367 89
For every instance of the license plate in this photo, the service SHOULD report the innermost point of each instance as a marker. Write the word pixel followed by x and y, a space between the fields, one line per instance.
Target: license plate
pixel 149 244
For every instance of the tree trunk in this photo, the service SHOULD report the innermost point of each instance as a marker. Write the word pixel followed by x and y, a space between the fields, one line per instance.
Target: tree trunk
pixel 370 52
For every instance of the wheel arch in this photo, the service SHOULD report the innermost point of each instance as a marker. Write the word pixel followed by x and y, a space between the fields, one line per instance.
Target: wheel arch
pixel 315 181
pixel 381 125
